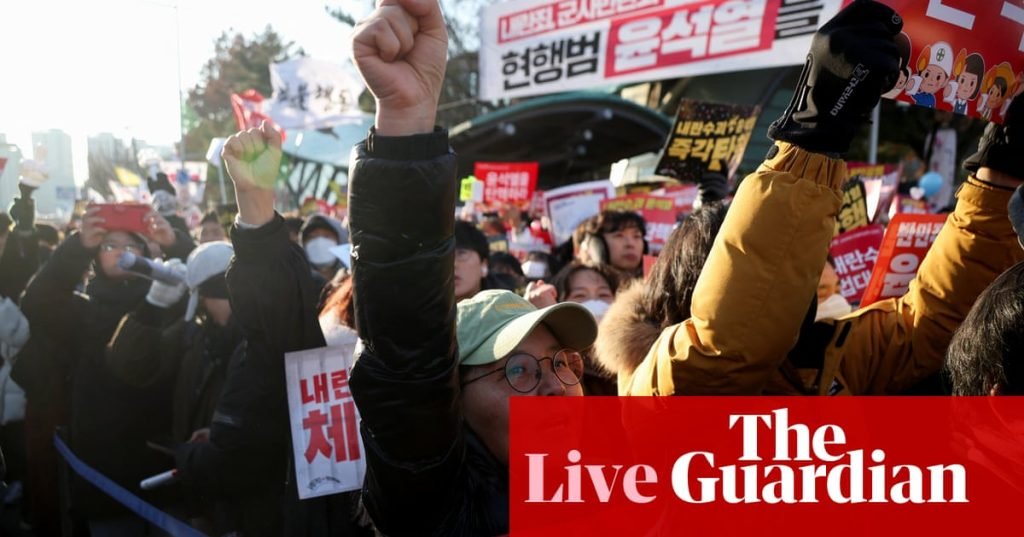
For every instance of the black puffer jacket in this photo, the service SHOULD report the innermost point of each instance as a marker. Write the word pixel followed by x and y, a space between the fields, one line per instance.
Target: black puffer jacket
pixel 110 420
pixel 425 474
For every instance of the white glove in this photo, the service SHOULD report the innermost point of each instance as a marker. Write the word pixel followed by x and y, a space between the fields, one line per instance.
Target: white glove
pixel 165 295
pixel 13 327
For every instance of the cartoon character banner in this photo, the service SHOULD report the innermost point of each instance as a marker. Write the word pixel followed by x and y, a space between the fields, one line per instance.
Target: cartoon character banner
pixel 958 55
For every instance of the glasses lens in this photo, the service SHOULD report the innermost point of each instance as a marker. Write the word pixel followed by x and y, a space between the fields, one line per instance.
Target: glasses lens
pixel 521 370
pixel 568 366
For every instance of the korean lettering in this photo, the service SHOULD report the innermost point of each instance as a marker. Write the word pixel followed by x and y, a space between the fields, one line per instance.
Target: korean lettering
pixel 546 63
pixel 797 17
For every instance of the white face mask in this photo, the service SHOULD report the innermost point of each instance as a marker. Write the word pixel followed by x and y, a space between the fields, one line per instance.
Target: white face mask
pixel 318 251
pixel 833 307
pixel 535 270
pixel 597 307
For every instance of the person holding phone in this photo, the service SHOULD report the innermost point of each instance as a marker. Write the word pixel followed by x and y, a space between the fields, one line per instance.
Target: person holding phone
pixel 109 420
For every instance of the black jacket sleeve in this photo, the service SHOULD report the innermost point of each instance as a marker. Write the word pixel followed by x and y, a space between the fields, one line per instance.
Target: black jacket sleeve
pixel 18 262
pixel 146 347
pixel 273 299
pixel 50 303
pixel 401 212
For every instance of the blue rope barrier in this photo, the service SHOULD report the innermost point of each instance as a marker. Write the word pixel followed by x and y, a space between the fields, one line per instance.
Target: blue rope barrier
pixel 153 515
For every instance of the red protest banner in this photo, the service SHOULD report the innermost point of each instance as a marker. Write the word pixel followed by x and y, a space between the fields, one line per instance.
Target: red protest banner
pixel 682 195
pixel 659 214
pixel 908 205
pixel 906 242
pixel 963 56
pixel 853 255
pixel 745 466
pixel 507 182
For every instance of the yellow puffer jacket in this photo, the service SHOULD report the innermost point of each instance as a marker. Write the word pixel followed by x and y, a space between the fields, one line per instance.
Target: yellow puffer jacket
pixel 757 284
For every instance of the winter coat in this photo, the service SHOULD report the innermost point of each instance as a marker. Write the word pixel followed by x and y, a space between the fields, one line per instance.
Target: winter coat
pixel 745 335
pixel 426 473
pixel 246 465
pixel 110 420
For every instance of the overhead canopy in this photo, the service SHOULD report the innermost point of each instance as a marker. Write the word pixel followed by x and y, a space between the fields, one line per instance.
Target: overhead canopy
pixel 573 136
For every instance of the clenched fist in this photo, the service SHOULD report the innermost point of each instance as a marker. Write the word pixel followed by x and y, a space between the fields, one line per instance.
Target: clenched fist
pixel 253 160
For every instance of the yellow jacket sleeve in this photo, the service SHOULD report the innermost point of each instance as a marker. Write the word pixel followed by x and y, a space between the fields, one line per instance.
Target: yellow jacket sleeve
pixel 893 344
pixel 756 285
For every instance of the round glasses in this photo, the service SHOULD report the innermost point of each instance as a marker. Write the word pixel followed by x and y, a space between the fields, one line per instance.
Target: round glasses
pixel 523 370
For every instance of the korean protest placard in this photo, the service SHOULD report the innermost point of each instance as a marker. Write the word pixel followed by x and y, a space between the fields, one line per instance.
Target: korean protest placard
pixel 329 454
pixel 313 94
pixel 707 138
pixel 507 182
pixel 854 254
pixel 853 213
pixel 567 206
pixel 907 240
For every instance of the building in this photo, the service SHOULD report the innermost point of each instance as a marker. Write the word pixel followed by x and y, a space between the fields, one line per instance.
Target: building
pixel 10 168
pixel 56 198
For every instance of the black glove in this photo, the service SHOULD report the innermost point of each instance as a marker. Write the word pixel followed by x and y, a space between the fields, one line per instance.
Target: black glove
pixel 23 212
pixel 853 60
pixel 712 187
pixel 1001 146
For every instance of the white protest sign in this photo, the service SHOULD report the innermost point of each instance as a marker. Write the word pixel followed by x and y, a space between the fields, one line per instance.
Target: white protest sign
pixel 313 94
pixel 329 454
pixel 569 205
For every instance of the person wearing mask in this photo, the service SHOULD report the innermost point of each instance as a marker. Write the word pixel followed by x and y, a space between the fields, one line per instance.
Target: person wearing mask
pixel 210 229
pixel 615 239
pixel 749 332
pixel 831 304
pixel 645 308
pixel 109 419
pixel 412 379
pixel 319 235
pixel 472 273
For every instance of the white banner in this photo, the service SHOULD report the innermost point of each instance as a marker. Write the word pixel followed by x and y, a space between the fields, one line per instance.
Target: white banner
pixel 313 94
pixel 532 47
pixel 329 454
pixel 569 205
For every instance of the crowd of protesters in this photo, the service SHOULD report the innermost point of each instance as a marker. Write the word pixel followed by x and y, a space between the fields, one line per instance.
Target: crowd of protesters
pixel 138 376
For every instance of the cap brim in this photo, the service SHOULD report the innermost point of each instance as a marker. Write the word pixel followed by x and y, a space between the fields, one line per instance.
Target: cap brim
pixel 571 324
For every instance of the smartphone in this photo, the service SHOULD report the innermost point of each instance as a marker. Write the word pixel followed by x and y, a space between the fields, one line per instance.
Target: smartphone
pixel 123 216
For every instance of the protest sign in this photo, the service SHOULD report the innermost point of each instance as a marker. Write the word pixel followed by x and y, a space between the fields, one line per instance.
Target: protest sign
pixel 908 205
pixel 853 213
pixel 659 215
pixel 907 239
pixel 329 454
pixel 707 137
pixel 880 184
pixel 471 189
pixel 567 206
pixel 507 182
pixel 962 55
pixel 682 195
pixel 249 108
pixel 313 94
pixel 853 256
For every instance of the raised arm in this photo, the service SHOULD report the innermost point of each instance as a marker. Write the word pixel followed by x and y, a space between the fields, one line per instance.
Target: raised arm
pixel 402 207
pixel 761 274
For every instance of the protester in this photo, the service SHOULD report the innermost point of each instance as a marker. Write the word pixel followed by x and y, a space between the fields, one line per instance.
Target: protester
pixel 319 235
pixel 640 312
pixel 615 239
pixel 337 317
pixel 507 265
pixel 110 421
pixel 746 334
pixel 831 304
pixel 5 229
pixel 14 333
pixel 538 266
pixel 294 225
pixel 210 228
pixel 413 381
pixel 472 273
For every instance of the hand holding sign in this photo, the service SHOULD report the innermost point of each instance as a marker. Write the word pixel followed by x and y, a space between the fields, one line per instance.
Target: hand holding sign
pixel 853 60
pixel 253 160
pixel 400 51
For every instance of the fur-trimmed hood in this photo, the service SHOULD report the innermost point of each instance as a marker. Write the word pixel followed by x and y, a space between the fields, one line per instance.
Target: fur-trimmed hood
pixel 623 338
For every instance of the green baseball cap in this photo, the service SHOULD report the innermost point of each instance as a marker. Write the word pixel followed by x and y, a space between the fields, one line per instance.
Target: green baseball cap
pixel 493 323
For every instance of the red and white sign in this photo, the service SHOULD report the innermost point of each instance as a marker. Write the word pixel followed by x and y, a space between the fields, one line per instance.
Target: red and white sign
pixel 907 240
pixel 568 206
pixel 507 182
pixel 682 195
pixel 853 255
pixel 965 54
pixel 329 454
pixel 249 109
pixel 659 215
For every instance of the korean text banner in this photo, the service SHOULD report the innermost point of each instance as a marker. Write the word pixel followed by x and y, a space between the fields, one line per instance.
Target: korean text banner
pixel 329 454
pixel 707 138
pixel 854 254
pixel 907 240
pixel 313 94
pixel 961 55
pixel 507 182
pixel 568 206
pixel 744 466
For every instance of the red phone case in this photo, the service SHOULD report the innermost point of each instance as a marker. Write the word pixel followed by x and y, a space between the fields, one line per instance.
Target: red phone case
pixel 124 216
